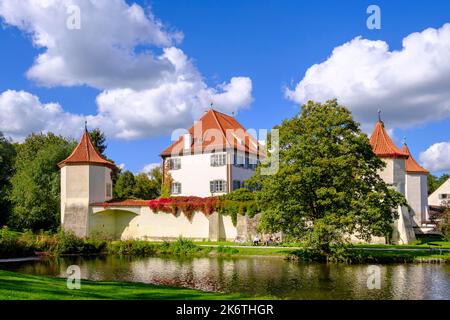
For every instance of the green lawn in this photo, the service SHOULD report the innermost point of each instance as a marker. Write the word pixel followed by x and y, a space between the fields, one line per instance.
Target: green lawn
pixel 17 286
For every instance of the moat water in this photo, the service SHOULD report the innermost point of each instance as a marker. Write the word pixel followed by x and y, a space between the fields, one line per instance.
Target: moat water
pixel 258 276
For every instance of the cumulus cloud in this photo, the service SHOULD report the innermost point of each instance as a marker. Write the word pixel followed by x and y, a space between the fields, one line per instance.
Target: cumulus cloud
pixel 102 53
pixel 148 86
pixel 437 157
pixel 22 113
pixel 410 85
pixel 149 167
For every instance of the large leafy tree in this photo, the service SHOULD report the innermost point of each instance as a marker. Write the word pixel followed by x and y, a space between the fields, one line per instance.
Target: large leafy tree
pixel 35 193
pixel 142 186
pixel 327 185
pixel 7 154
pixel 145 187
pixel 125 186
pixel 98 138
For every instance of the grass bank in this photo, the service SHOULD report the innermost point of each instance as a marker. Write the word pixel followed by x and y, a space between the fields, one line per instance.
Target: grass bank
pixel 13 244
pixel 17 286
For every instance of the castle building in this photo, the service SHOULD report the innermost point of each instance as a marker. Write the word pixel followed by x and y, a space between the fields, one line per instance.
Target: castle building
pixel 409 178
pixel 216 156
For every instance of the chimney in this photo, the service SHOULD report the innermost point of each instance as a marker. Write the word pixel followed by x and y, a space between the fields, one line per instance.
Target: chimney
pixel 187 141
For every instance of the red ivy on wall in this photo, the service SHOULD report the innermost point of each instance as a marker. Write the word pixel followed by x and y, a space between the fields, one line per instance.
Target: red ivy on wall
pixel 187 205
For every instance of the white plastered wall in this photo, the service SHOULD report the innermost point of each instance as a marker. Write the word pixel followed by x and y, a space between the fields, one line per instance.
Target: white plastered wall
pixel 416 194
pixel 195 174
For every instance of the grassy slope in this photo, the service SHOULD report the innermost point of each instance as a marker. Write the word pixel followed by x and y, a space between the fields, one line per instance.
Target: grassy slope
pixel 17 286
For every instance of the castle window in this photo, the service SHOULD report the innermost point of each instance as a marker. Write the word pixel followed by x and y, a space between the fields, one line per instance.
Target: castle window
pixel 109 190
pixel 218 186
pixel 174 164
pixel 218 160
pixel 239 160
pixel 175 188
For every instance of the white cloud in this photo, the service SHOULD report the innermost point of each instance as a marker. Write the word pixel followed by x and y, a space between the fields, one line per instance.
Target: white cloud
pixel 149 86
pixel 149 167
pixel 409 85
pixel 102 54
pixel 437 157
pixel 22 113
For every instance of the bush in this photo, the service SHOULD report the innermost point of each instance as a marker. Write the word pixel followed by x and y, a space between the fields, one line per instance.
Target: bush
pixel 444 225
pixel 179 247
pixel 132 247
pixel 10 245
pixel 227 250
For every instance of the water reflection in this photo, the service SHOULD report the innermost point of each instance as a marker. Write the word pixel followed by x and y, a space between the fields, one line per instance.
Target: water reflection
pixel 258 276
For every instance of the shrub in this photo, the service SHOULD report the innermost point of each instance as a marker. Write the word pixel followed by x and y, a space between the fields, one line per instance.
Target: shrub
pixel 227 250
pixel 444 225
pixel 132 247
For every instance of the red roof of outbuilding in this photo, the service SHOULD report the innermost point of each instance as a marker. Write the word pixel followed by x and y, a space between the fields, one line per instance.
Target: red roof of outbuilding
pixel 411 164
pixel 86 153
pixel 382 144
pixel 215 131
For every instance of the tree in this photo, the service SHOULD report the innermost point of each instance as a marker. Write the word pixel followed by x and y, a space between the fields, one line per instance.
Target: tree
pixel 7 155
pixel 435 182
pixel 166 186
pixel 156 179
pixel 98 139
pixel 327 186
pixel 35 193
pixel 145 188
pixel 125 186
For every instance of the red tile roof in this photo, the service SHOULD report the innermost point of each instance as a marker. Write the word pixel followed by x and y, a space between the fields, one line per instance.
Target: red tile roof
pixel 215 131
pixel 411 164
pixel 86 153
pixel 122 203
pixel 382 145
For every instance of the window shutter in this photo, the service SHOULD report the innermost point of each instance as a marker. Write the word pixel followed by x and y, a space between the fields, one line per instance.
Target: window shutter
pixel 211 186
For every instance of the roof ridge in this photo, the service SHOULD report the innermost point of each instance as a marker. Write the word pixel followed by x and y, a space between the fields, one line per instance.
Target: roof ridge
pixel 411 164
pixel 220 126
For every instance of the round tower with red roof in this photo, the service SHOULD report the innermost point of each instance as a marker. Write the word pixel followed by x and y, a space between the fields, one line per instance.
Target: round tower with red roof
pixel 85 179
pixel 394 174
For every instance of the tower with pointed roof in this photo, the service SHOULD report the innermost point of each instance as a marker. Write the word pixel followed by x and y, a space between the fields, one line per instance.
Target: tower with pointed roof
pixel 85 179
pixel 393 174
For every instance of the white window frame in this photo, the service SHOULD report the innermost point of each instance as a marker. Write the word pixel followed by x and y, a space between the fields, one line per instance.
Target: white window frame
pixel 218 160
pixel 218 186
pixel 175 185
pixel 174 163
pixel 444 196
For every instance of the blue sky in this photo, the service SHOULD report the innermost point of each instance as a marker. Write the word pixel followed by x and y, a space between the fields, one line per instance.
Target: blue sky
pixel 273 43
